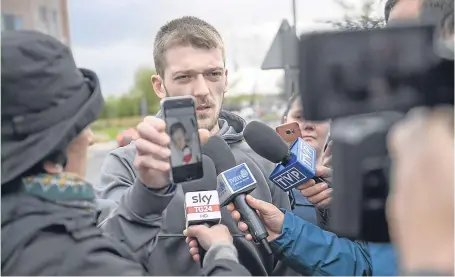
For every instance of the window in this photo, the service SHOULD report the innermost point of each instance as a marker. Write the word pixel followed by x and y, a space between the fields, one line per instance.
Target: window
pixel 11 22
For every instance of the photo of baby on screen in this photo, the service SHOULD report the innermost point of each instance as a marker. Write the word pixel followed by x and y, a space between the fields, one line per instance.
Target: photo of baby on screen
pixel 184 144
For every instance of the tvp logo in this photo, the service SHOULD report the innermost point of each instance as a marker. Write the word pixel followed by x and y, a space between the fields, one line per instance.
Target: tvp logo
pixel 289 178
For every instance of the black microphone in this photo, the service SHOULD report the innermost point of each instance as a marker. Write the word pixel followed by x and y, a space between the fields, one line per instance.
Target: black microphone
pixel 202 205
pixel 296 164
pixel 234 182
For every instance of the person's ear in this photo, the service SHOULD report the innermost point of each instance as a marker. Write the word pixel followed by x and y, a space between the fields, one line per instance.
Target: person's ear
pixel 225 81
pixel 158 86
pixel 52 168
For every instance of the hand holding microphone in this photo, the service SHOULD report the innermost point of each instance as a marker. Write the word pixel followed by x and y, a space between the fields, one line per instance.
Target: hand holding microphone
pixel 202 208
pixel 316 190
pixel 270 215
pixel 205 237
pixel 234 182
pixel 296 166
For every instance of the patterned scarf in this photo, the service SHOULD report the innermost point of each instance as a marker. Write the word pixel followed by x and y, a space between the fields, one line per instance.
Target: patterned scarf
pixel 59 187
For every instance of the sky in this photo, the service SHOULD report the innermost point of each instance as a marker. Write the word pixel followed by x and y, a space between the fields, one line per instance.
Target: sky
pixel 115 37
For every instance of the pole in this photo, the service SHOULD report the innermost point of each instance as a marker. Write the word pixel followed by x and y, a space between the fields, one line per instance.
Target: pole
pixel 292 75
pixel 294 16
pixel 144 110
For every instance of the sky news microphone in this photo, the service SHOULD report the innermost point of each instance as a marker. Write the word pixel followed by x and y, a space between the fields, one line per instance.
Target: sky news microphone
pixel 202 205
pixel 234 183
pixel 295 165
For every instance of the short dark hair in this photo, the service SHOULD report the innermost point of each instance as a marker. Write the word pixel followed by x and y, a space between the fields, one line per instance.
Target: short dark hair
pixel 184 31
pixel 177 126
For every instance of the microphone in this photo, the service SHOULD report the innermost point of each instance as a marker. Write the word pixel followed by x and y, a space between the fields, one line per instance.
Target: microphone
pixel 295 165
pixel 202 205
pixel 234 182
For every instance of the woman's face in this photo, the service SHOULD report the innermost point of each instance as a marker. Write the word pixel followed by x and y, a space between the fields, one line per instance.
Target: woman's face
pixel 314 133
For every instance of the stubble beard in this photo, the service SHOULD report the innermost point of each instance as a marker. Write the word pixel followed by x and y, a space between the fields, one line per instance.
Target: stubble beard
pixel 208 122
pixel 204 121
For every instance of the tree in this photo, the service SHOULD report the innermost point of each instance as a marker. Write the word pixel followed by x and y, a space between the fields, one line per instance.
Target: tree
pixel 110 108
pixel 280 83
pixel 129 104
pixel 143 88
pixel 365 20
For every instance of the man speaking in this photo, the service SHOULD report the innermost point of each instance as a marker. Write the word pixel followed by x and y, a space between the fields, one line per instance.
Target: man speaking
pixel 189 58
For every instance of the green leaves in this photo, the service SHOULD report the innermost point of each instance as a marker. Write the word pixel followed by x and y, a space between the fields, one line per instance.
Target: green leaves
pixel 129 104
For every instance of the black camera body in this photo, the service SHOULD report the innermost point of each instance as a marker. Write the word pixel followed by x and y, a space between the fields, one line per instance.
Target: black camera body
pixel 359 72
pixel 365 81
pixel 361 171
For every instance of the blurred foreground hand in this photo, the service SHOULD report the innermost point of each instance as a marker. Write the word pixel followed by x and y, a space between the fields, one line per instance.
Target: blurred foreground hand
pixel 420 207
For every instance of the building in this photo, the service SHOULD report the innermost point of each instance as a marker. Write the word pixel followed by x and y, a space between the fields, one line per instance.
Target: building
pixel 47 16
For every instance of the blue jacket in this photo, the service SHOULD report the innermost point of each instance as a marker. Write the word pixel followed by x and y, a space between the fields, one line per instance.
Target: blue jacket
pixel 309 250
pixel 302 207
pixel 384 258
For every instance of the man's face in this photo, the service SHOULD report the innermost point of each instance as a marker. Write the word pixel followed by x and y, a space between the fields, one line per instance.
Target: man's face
pixel 198 72
pixel 405 10
pixel 178 137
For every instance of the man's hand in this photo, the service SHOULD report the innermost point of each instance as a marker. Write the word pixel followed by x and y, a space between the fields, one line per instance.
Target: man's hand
pixel 270 215
pixel 318 194
pixel 153 153
pixel 206 237
pixel 420 206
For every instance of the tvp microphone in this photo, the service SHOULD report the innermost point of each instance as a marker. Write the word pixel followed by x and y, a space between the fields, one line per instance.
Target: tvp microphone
pixel 295 165
pixel 234 182
pixel 202 205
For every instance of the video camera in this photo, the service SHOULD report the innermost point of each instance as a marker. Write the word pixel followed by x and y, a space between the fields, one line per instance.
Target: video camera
pixel 365 81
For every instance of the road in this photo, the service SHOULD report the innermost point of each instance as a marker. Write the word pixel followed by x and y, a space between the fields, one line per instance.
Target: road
pixel 98 152
pixel 96 156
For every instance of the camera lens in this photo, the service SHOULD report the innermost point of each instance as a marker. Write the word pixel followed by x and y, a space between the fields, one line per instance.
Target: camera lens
pixel 288 131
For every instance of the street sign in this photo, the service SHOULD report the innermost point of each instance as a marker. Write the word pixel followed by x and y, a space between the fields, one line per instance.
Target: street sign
pixel 283 53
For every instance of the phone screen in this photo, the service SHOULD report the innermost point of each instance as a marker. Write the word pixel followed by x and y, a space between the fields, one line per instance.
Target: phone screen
pixel 186 156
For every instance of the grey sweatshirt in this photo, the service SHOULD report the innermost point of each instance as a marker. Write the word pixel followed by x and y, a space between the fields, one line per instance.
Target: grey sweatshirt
pixel 166 253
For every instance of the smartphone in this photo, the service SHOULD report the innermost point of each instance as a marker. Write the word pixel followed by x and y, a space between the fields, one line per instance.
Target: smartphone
pixel 181 126
pixel 289 132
